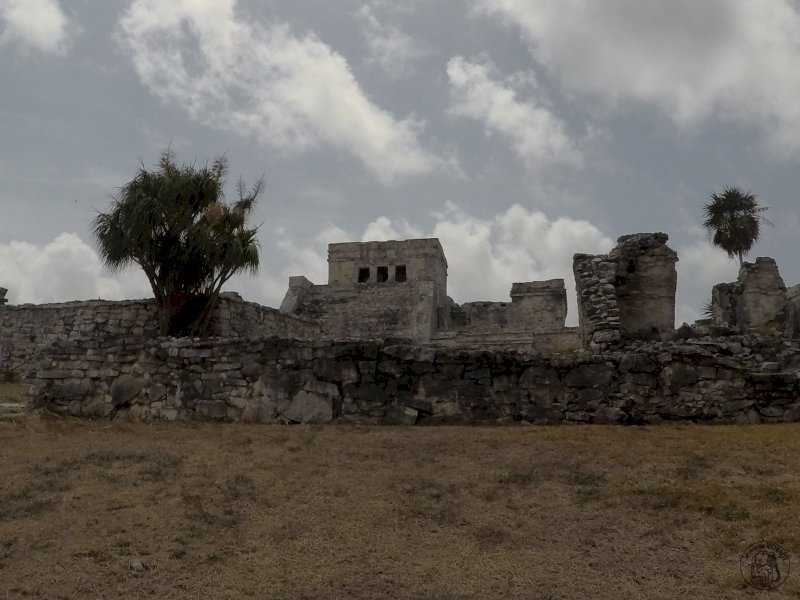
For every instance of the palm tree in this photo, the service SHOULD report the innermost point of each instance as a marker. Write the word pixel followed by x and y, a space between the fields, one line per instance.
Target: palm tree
pixel 733 221
pixel 173 223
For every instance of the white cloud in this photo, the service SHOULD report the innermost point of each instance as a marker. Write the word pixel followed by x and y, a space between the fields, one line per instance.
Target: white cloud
pixel 392 49
pixel 62 270
pixel 293 93
pixel 536 135
pixel 486 256
pixel 735 60
pixel 382 228
pixel 37 24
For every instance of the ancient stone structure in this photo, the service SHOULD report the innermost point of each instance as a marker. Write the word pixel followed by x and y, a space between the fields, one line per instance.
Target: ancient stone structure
pixel 757 301
pixel 376 290
pixel 399 289
pixel 745 379
pixel 628 293
pixel 26 329
pixel 382 342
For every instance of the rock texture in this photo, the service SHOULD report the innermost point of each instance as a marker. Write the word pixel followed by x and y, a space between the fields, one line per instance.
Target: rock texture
pixel 399 289
pixel 757 301
pixel 736 379
pixel 628 293
pixel 27 328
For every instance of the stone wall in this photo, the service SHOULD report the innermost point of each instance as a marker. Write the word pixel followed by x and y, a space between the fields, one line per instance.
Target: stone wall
pixel 744 379
pixel 366 311
pixel 757 301
pixel 533 341
pixel 539 306
pixel 421 260
pixel 26 328
pixel 627 293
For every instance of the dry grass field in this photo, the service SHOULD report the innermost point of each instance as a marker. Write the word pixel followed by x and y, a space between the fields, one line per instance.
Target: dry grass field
pixel 121 510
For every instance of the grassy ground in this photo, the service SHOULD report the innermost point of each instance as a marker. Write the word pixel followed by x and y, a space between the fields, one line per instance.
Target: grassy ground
pixel 118 510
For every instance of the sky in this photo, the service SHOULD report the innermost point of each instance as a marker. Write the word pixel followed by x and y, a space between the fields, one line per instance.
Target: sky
pixel 517 132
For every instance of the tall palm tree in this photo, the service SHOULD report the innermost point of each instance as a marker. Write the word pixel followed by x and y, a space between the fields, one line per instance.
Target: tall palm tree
pixel 733 221
pixel 173 223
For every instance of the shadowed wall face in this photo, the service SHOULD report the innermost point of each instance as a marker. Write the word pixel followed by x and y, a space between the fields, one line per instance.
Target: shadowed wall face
pixel 757 301
pixel 629 292
pixel 645 288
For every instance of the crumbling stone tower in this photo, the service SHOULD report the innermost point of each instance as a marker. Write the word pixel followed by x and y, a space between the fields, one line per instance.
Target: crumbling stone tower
pixel 757 301
pixel 627 293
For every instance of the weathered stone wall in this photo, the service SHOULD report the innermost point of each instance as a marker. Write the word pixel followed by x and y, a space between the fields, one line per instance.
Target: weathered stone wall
pixel 627 293
pixel 535 306
pixel 368 311
pixel 375 290
pixel 423 260
pixel 482 314
pixel 540 304
pixel 793 312
pixel 26 328
pixel 234 316
pixel 534 341
pixel 740 379
pixel 757 301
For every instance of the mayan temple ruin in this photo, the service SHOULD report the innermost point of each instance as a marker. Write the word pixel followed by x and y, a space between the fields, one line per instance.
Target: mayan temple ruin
pixel 382 342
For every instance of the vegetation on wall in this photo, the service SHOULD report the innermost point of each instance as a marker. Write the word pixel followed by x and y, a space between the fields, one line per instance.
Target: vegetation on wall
pixel 174 224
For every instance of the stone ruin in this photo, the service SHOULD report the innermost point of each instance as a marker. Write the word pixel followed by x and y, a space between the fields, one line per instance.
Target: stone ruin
pixel 382 342
pixel 628 293
pixel 758 301
pixel 399 289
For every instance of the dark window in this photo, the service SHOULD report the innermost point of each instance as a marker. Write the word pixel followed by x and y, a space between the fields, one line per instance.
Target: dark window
pixel 383 274
pixel 363 274
pixel 400 273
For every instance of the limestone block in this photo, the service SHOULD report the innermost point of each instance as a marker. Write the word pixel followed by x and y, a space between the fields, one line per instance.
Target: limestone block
pixel 590 376
pixel 310 407
pixel 633 362
pixel 252 370
pixel 211 409
pixel 678 375
pixel 96 407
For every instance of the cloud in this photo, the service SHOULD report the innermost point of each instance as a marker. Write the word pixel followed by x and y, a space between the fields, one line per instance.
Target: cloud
pixel 700 267
pixel 293 93
pixel 535 134
pixel 392 49
pixel 382 228
pixel 734 60
pixel 62 270
pixel 485 256
pixel 35 24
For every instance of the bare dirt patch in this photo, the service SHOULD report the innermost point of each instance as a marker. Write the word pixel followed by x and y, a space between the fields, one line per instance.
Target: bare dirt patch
pixel 121 510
